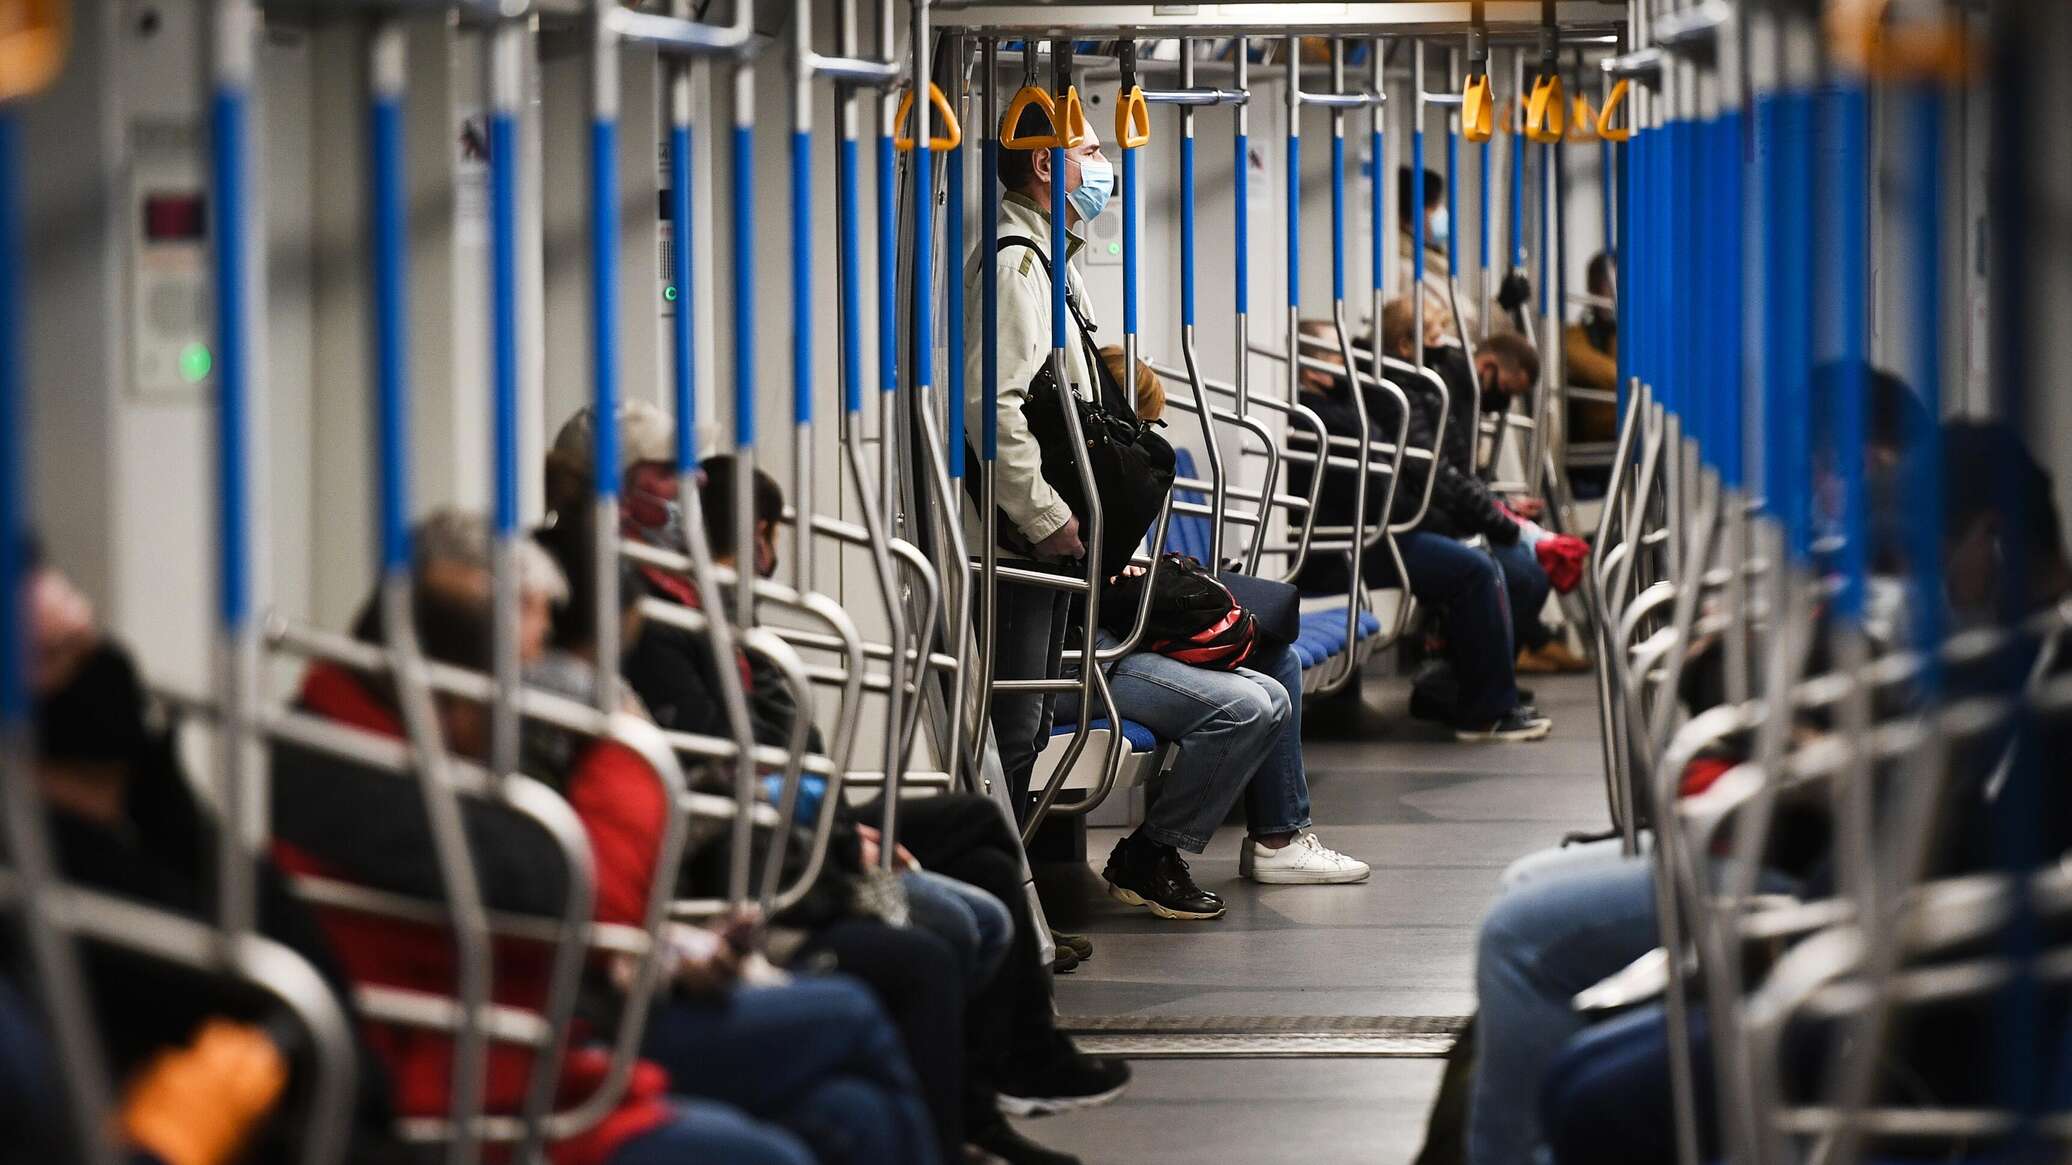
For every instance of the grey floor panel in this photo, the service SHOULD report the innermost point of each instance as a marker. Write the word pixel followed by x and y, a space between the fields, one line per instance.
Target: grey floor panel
pixel 1439 821
pixel 1318 1112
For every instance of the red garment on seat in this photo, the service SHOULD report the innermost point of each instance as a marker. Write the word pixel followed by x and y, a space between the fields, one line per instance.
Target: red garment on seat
pixel 623 809
pixel 1562 556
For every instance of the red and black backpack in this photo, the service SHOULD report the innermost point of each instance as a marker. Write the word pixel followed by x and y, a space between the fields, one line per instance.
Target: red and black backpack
pixel 1193 616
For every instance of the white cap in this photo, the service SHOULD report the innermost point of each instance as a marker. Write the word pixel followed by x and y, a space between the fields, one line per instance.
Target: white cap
pixel 646 433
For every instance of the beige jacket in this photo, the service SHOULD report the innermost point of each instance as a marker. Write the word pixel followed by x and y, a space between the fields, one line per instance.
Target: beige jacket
pixel 1437 287
pixel 1024 324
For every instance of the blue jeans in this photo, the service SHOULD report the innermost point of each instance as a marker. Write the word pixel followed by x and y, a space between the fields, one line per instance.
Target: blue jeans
pixel 1467 585
pixel 816 1056
pixel 1526 586
pixel 974 923
pixel 1277 800
pixel 1541 943
pixel 1226 725
pixel 711 1132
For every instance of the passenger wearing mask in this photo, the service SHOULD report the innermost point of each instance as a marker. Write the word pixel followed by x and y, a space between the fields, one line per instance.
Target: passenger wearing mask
pixel 1037 525
pixel 963 908
pixel 1429 199
pixel 1590 349
pixel 1465 584
pixel 336 819
pixel 202 1059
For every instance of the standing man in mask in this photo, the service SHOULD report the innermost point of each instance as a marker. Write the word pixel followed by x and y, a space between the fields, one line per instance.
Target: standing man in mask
pixel 1035 526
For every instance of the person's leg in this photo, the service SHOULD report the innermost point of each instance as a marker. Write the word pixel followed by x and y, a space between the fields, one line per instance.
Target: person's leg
pixel 974 923
pixel 1026 634
pixel 1225 725
pixel 711 1132
pixel 1526 588
pixel 916 980
pixel 1538 947
pixel 1277 797
pixel 1466 584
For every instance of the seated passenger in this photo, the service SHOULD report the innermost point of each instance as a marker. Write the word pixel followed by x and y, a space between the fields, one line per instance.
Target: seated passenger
pixel 1559 929
pixel 1464 584
pixel 1017 1059
pixel 335 818
pixel 1239 733
pixel 124 821
pixel 1590 348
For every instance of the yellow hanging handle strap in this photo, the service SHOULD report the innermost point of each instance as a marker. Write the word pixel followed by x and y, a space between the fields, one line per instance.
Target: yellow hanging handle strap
pixel 1866 41
pixel 1546 112
pixel 33 37
pixel 1075 129
pixel 951 134
pixel 1582 125
pixel 1478 109
pixel 1133 119
pixel 1026 96
pixel 1612 104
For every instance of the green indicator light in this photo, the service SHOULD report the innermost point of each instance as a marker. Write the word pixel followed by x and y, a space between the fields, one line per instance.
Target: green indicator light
pixel 1115 248
pixel 669 293
pixel 196 363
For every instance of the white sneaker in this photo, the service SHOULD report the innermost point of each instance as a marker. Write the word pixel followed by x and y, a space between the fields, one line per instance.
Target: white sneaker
pixel 1305 861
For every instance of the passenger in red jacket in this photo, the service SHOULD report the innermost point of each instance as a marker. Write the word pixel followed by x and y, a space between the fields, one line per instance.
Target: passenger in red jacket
pixel 338 819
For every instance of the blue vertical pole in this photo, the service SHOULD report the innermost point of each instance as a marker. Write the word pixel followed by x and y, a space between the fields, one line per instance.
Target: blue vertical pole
pixel 802 320
pixel 1849 195
pixel 744 297
pixel 684 368
pixel 391 309
pixel 953 318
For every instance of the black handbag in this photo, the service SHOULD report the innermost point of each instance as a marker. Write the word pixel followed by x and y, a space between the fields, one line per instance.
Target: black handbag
pixel 1132 465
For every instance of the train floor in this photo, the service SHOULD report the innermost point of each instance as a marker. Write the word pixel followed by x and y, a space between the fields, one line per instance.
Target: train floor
pixel 1346 995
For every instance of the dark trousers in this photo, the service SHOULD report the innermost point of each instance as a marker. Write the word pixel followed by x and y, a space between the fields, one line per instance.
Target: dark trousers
pixel 1029 644
pixel 1468 587
pixel 1527 587
pixel 919 983
pixel 964 836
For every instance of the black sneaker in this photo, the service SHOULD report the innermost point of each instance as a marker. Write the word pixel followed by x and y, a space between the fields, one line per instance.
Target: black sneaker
pixel 1145 873
pixel 1517 724
pixel 1078 944
pixel 1064 962
pixel 999 1141
pixel 1061 1079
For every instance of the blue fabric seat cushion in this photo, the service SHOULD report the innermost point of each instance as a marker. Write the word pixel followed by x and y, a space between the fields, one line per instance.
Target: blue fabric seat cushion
pixel 1141 739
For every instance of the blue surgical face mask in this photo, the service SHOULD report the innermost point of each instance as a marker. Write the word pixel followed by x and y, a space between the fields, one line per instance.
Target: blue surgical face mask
pixel 1439 231
pixel 1096 183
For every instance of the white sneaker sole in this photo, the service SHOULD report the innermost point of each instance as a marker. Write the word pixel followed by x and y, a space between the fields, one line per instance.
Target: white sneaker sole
pixel 1309 877
pixel 1053 1105
pixel 1536 732
pixel 1132 898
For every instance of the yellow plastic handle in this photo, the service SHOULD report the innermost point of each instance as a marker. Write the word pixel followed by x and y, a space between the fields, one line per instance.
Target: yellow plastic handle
pixel 945 116
pixel 1582 125
pixel 1076 131
pixel 1612 104
pixel 33 36
pixel 1478 109
pixel 1030 95
pixel 1546 112
pixel 1133 119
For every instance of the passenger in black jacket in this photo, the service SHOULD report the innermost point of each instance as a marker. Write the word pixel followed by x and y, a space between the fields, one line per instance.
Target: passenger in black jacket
pixel 1464 584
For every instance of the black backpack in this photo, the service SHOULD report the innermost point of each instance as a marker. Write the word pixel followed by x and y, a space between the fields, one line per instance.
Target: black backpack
pixel 1193 617
pixel 1132 465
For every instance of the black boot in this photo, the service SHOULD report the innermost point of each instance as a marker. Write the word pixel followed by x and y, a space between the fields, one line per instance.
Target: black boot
pixel 1144 873
pixel 999 1141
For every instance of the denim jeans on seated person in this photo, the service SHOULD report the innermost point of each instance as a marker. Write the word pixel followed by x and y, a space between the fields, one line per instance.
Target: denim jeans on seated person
pixel 1526 588
pixel 1225 724
pixel 816 1056
pixel 702 1131
pixel 1468 586
pixel 1277 799
pixel 974 923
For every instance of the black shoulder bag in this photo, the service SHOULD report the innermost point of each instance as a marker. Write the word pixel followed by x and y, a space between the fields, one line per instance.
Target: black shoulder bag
pixel 1132 465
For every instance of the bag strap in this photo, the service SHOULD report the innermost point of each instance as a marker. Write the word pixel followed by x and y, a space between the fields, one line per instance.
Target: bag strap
pixel 1104 383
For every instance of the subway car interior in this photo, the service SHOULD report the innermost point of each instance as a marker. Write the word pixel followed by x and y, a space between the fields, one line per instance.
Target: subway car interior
pixel 924 582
